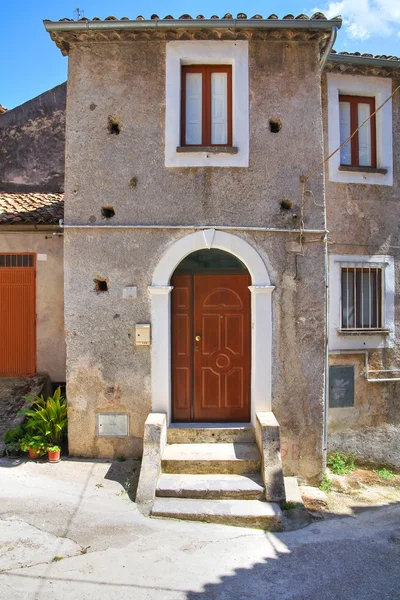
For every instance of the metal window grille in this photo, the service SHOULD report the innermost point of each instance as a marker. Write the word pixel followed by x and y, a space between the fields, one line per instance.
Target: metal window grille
pixel 17 260
pixel 362 302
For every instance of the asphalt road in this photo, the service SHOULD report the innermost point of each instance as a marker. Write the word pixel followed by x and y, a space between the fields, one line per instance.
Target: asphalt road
pixel 68 531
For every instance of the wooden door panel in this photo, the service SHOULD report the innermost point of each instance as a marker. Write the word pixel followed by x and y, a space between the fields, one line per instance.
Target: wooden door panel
pixel 211 338
pixel 210 389
pixel 222 356
pixel 234 334
pixel 182 347
pixel 234 389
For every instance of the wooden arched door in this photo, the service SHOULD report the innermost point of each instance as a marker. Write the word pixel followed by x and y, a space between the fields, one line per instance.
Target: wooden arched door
pixel 211 344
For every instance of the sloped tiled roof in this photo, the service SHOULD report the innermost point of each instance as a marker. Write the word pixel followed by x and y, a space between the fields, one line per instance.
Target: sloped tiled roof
pixel 240 16
pixel 31 209
pixel 366 55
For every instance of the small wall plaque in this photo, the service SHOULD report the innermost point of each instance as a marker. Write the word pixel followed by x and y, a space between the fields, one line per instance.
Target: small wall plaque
pixel 41 256
pixel 341 386
pixel 112 425
pixel 130 292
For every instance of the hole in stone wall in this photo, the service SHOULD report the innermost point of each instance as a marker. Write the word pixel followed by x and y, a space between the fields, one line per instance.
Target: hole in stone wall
pixel 275 125
pixel 113 125
pixel 286 204
pixel 107 212
pixel 100 285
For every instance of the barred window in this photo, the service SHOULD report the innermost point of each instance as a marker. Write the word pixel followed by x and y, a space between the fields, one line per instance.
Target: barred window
pixel 362 304
pixel 17 260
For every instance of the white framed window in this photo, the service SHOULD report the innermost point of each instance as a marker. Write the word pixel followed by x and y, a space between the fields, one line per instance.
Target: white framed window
pixel 368 157
pixel 207 104
pixel 361 299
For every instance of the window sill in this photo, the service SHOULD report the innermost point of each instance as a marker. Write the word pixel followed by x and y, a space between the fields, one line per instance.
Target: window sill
pixel 349 168
pixel 209 149
pixel 364 331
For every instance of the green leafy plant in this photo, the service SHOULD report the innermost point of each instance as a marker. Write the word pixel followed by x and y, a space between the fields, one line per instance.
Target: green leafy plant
pixel 13 436
pixel 53 448
pixel 341 463
pixel 13 447
pixel 385 473
pixel 36 443
pixel 326 485
pixel 48 417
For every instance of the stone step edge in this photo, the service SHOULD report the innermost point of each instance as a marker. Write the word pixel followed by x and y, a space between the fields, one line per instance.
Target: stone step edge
pixel 239 513
pixel 210 486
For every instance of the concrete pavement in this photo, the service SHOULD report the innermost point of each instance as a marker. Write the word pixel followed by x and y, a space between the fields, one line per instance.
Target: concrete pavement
pixel 69 531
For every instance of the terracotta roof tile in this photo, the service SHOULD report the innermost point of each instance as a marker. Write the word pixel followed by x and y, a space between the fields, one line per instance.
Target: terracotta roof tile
pixel 318 16
pixel 34 209
pixel 366 55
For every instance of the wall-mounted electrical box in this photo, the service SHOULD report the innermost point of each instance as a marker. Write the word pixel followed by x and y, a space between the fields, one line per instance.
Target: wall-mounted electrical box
pixel 341 386
pixel 112 425
pixel 142 334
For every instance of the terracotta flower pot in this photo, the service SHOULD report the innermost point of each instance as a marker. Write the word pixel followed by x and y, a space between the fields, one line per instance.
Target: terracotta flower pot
pixel 54 456
pixel 33 454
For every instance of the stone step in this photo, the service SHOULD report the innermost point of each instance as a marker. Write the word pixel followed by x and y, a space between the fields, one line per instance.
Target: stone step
pixel 244 487
pixel 241 513
pixel 211 458
pixel 210 433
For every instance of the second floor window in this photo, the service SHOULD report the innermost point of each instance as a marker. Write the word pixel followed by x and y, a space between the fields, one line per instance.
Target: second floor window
pixel 206 110
pixel 360 151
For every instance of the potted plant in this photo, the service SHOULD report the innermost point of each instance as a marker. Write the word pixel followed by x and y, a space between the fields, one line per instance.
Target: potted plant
pixel 13 450
pixel 12 441
pixel 47 419
pixel 53 453
pixel 35 446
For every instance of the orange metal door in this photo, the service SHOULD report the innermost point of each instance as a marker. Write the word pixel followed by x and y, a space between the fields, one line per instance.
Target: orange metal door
pixel 17 315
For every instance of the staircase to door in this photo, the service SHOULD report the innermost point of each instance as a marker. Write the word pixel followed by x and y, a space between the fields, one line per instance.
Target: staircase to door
pixel 213 474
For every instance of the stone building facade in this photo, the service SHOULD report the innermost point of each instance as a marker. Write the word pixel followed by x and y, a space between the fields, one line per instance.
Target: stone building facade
pixel 139 200
pixel 32 142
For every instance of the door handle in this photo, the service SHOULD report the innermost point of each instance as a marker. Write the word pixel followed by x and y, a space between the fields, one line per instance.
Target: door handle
pixel 198 338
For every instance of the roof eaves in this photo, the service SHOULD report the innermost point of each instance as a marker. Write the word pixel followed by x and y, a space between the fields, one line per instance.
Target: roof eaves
pixel 317 22
pixel 388 62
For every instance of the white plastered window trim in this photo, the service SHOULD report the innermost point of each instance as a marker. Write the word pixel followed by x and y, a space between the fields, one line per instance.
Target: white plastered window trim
pixel 358 85
pixel 233 53
pixel 261 317
pixel 361 340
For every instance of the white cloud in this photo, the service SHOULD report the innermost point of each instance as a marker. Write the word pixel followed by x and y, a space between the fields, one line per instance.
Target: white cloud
pixel 366 18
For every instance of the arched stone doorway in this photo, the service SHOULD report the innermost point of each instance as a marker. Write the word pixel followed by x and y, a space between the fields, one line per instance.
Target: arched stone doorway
pixel 260 319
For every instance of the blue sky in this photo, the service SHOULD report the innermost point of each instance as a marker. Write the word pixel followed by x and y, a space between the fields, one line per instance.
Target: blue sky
pixel 31 63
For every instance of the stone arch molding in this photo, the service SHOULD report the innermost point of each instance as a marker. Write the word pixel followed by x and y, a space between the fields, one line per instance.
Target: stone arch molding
pixel 261 316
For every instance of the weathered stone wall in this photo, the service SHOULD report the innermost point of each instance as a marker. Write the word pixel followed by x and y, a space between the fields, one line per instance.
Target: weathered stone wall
pixel 363 220
pixel 50 339
pixel 32 141
pixel 106 372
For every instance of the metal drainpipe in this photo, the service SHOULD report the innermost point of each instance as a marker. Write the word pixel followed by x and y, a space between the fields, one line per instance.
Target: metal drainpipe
pixel 328 47
pixel 323 60
pixel 326 369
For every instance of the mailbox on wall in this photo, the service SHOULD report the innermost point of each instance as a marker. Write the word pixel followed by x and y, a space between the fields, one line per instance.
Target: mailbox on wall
pixel 142 334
